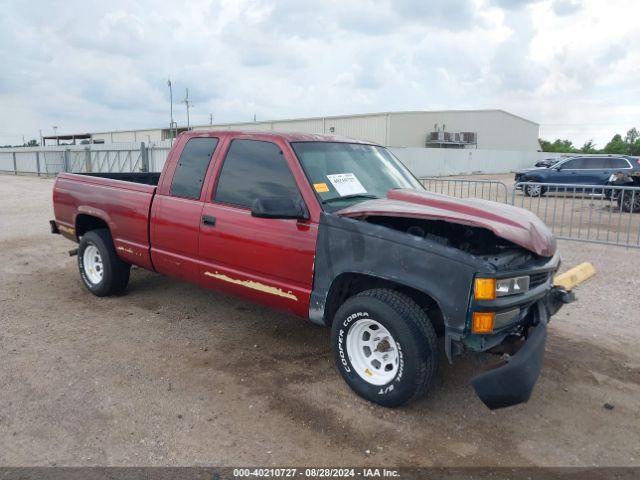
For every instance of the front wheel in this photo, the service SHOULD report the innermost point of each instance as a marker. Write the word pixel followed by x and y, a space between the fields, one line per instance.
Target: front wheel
pixel 534 190
pixel 101 270
pixel 384 346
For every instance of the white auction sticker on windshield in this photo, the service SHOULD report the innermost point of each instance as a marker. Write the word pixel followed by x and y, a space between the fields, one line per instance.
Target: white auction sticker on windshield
pixel 346 184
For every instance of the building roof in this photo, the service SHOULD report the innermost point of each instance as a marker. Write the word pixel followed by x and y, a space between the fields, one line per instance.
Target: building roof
pixel 326 117
pixel 373 114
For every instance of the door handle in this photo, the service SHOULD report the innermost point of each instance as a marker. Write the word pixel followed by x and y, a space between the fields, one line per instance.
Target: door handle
pixel 208 220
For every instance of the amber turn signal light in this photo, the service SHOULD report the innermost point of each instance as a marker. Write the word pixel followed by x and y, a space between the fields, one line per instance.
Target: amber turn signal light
pixel 483 322
pixel 484 289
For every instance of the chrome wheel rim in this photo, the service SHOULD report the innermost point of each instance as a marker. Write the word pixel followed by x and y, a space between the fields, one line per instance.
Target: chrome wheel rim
pixel 92 262
pixel 373 352
pixel 534 190
pixel 632 202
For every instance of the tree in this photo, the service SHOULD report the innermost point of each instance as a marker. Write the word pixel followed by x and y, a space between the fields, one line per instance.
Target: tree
pixel 558 146
pixel 632 136
pixel 589 147
pixel 32 143
pixel 617 145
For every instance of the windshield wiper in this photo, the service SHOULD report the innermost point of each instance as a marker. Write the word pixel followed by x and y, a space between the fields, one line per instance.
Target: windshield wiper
pixel 355 195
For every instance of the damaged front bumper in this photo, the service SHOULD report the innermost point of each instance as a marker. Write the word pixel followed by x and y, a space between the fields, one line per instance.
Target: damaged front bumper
pixel 511 381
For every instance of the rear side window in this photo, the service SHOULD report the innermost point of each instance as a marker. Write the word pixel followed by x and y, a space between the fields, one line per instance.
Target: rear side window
pixel 192 167
pixel 618 163
pixel 595 162
pixel 254 169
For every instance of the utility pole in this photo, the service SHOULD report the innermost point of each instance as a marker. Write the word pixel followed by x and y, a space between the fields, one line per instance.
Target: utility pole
pixel 188 104
pixel 172 126
pixel 41 138
pixel 55 132
pixel 211 119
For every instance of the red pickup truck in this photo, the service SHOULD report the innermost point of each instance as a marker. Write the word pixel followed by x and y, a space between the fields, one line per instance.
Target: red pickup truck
pixel 339 232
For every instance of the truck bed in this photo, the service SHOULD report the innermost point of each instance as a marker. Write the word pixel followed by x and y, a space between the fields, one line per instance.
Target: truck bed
pixel 121 200
pixel 146 178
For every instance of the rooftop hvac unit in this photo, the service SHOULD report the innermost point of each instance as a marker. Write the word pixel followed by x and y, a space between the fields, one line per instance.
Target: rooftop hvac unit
pixel 469 137
pixel 452 139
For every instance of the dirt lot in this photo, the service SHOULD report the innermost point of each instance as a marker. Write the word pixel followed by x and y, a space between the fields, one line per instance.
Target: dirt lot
pixel 170 374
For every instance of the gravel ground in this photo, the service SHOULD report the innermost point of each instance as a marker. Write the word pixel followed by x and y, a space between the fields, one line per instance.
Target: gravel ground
pixel 169 374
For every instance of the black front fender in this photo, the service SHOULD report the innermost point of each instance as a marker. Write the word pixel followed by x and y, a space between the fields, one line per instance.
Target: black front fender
pixel 346 245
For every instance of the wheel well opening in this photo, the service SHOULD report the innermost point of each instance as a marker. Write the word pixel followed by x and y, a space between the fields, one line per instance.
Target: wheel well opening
pixel 86 223
pixel 349 284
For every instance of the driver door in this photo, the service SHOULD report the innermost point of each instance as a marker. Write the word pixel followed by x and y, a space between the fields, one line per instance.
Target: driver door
pixel 267 260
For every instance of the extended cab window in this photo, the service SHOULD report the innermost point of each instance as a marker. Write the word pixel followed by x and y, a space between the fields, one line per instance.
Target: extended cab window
pixel 254 169
pixel 192 167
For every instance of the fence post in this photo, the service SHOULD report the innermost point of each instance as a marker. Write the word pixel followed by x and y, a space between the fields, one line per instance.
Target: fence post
pixel 87 159
pixel 38 162
pixel 15 164
pixel 66 160
pixel 144 157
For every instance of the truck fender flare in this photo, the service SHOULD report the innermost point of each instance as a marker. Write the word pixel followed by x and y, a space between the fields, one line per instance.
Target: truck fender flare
pixel 318 305
pixel 92 212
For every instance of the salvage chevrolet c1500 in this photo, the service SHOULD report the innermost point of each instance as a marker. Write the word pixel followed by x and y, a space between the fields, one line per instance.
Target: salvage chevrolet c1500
pixel 337 231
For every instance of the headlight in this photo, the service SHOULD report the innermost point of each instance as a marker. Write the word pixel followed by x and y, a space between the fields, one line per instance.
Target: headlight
pixel 491 288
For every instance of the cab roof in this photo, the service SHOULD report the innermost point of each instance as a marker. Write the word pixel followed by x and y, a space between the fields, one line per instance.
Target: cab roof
pixel 287 136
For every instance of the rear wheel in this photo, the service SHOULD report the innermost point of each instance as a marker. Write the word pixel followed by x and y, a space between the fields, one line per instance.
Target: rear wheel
pixel 384 346
pixel 101 270
pixel 629 201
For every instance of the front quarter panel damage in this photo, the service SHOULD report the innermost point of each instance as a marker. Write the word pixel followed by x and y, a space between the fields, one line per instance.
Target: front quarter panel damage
pixel 358 247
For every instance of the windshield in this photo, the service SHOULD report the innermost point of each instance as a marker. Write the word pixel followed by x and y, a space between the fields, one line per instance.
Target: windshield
pixel 346 173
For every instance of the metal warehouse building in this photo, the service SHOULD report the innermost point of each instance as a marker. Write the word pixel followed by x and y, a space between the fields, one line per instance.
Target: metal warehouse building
pixel 481 129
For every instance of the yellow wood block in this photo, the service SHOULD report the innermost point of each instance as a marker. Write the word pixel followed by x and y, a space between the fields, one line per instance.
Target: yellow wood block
pixel 575 276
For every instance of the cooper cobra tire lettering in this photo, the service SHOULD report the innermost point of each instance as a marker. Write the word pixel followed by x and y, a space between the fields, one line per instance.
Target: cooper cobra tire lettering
pixel 393 325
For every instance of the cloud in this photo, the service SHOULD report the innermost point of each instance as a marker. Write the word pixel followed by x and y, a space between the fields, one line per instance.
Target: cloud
pixel 513 4
pixel 106 66
pixel 448 14
pixel 566 7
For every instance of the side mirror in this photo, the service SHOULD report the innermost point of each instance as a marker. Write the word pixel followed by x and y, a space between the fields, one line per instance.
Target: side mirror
pixel 279 207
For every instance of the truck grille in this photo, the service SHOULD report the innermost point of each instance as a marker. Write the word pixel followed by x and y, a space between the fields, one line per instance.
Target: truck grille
pixel 538 279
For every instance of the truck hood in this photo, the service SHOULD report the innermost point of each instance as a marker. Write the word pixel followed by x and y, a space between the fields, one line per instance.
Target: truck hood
pixel 511 223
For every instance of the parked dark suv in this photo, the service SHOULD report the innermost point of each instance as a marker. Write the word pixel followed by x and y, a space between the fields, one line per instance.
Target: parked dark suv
pixel 593 170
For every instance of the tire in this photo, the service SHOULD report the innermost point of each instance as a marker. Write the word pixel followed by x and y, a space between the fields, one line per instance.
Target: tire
pixel 101 270
pixel 411 346
pixel 534 190
pixel 629 201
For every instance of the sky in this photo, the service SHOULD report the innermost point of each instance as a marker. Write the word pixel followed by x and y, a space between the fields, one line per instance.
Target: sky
pixel 573 66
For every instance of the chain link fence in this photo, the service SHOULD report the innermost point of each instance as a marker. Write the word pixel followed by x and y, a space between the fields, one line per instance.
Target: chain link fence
pixel 595 214
pixel 84 159
pixel 587 213
pixel 462 188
